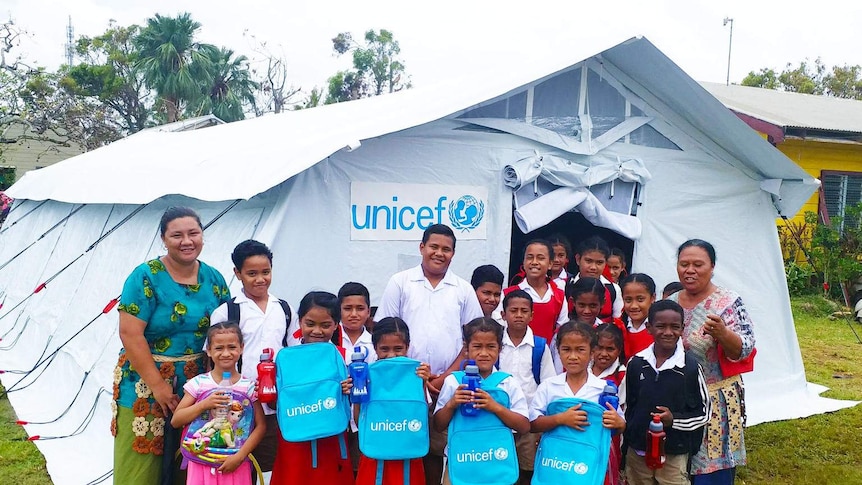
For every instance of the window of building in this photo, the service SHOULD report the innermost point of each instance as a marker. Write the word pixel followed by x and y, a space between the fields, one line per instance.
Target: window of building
pixel 840 190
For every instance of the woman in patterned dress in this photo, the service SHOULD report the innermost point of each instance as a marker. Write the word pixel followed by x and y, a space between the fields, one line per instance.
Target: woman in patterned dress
pixel 715 317
pixel 165 312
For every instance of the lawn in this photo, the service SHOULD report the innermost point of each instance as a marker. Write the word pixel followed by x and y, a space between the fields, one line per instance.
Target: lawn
pixel 819 450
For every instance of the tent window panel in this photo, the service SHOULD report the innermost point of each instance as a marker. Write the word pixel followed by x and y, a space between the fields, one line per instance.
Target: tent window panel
pixel 841 191
pixel 607 107
pixel 555 103
pixel 513 107
pixel 647 136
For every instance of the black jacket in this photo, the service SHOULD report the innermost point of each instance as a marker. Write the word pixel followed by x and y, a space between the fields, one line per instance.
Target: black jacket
pixel 680 389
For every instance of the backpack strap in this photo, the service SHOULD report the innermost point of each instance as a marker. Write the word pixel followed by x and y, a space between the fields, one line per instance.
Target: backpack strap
pixel 287 318
pixel 538 351
pixel 495 379
pixel 233 310
pixel 613 292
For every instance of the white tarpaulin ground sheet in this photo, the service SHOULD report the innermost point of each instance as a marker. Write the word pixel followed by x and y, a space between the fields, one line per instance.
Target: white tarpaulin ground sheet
pixel 286 180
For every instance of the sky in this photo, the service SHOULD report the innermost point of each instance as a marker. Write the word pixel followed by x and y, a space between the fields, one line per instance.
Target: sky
pixel 465 38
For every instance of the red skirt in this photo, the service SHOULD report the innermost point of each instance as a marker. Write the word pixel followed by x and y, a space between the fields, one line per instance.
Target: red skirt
pixel 293 463
pixel 393 472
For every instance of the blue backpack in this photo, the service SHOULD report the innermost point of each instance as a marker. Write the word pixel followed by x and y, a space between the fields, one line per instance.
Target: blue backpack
pixel 482 448
pixel 536 361
pixel 571 457
pixel 310 402
pixel 393 424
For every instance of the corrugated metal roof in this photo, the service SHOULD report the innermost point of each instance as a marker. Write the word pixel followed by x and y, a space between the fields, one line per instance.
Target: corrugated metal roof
pixel 791 110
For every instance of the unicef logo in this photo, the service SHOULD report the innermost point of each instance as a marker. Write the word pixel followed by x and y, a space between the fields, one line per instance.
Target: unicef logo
pixel 501 454
pixel 581 468
pixel 329 403
pixel 466 213
pixel 414 425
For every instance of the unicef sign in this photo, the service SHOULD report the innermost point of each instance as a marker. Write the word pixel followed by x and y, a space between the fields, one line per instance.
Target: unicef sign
pixel 386 212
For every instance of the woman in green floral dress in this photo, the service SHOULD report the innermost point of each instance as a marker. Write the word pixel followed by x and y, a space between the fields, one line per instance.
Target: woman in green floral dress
pixel 165 312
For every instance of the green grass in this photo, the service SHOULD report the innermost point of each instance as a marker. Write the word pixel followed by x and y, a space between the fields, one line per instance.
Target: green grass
pixel 20 460
pixel 820 450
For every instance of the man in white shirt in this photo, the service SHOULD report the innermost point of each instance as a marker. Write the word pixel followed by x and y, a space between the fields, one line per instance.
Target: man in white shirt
pixel 435 303
pixel 263 323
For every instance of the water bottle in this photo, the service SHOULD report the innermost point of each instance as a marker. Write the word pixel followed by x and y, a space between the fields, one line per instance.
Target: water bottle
pixel 224 388
pixel 358 371
pixel 609 395
pixel 474 382
pixel 655 456
pixel 266 378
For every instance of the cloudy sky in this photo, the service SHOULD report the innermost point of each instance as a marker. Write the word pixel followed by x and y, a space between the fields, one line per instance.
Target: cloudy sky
pixel 448 37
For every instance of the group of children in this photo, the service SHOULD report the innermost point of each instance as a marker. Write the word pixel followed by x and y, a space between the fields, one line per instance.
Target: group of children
pixel 554 335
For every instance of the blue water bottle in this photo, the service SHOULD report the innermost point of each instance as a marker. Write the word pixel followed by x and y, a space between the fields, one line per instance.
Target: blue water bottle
pixel 358 371
pixel 609 395
pixel 473 381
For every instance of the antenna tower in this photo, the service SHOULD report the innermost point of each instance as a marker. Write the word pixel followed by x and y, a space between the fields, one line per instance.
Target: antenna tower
pixel 70 46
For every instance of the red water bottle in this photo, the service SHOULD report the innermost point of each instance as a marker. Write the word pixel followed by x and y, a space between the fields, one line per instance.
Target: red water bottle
pixel 656 436
pixel 266 378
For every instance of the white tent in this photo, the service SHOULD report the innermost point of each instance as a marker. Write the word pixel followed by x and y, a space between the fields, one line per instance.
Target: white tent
pixel 341 192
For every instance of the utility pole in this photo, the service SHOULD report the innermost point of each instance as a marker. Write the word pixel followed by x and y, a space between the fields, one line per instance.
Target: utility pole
pixel 729 45
pixel 70 45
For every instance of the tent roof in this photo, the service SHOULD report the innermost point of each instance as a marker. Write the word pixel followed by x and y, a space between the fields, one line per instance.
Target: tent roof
pixel 791 110
pixel 271 149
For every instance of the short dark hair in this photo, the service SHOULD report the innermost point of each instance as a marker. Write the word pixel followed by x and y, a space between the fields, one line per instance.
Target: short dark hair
pixel 641 278
pixel 247 249
pixel 353 289
pixel 542 242
pixel 172 213
pixel 585 285
pixel 560 240
pixel 594 243
pixel 671 288
pixel 698 243
pixel 580 328
pixel 663 305
pixel 487 273
pixel 390 325
pixel 519 293
pixel 322 299
pixel 482 324
pixel 441 229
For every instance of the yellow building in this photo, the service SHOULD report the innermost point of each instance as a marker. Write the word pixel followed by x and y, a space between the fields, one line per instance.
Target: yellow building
pixel 823 135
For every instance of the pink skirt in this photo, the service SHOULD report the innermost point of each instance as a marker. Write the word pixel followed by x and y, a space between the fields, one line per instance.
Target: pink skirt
pixel 200 474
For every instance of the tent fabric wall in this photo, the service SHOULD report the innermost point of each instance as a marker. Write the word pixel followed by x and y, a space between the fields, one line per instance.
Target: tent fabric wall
pixel 294 194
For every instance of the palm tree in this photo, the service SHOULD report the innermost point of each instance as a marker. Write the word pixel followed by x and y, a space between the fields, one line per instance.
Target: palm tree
pixel 231 88
pixel 172 64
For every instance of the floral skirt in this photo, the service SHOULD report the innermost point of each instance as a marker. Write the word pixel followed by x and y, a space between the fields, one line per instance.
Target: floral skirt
pixel 130 465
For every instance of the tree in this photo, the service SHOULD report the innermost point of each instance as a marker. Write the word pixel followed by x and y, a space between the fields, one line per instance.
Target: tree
pixel 34 107
pixel 107 74
pixel 312 100
pixel 377 68
pixel 231 88
pixel 840 81
pixel 273 94
pixel 172 63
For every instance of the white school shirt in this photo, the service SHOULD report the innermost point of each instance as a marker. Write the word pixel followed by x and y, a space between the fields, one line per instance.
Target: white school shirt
pixel 260 330
pixel 434 315
pixel 562 280
pixel 562 318
pixel 618 301
pixel 517 400
pixel 518 361
pixel 363 341
pixel 557 388
pixel 631 329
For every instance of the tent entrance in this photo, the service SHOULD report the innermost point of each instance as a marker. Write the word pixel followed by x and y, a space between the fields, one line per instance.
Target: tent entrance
pixel 576 228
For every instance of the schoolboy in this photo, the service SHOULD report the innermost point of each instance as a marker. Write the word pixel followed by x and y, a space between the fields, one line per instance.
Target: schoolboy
pixel 263 322
pixel 663 380
pixel 355 304
pixel 487 280
pixel 516 358
pixel 435 303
